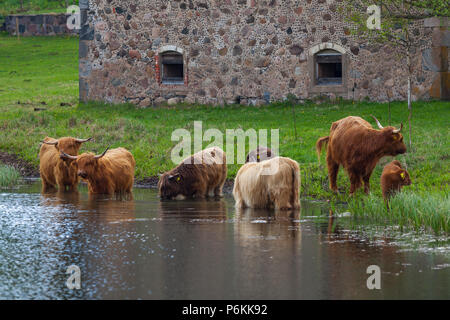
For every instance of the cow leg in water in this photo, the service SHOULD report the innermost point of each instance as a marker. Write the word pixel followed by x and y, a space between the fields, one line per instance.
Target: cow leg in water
pixel 47 186
pixel 355 182
pixel 281 201
pixel 218 191
pixel 72 187
pixel 333 169
pixel 366 180
pixel 201 192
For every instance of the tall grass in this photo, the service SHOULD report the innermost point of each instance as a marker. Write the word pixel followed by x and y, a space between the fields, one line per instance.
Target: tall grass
pixel 408 209
pixel 8 176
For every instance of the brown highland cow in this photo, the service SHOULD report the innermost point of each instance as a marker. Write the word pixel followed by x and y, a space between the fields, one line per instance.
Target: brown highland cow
pixel 111 172
pixel 273 183
pixel 393 178
pixel 56 171
pixel 200 175
pixel 259 154
pixel 356 146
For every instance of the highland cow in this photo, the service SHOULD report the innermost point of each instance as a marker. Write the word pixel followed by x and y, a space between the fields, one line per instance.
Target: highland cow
pixel 393 178
pixel 356 146
pixel 111 172
pixel 57 171
pixel 200 175
pixel 279 190
pixel 259 154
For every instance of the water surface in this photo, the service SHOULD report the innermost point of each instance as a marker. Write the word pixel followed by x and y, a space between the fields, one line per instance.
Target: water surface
pixel 204 249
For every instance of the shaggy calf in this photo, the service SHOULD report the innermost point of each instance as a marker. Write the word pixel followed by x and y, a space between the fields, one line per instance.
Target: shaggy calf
pixel 356 146
pixel 57 171
pixel 260 154
pixel 273 183
pixel 393 178
pixel 112 172
pixel 200 175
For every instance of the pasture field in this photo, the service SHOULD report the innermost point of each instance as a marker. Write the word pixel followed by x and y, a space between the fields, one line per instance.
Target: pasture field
pixel 42 73
pixel 34 6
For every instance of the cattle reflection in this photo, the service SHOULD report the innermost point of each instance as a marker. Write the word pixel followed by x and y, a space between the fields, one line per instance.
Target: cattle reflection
pixel 350 253
pixel 252 224
pixel 61 198
pixel 109 208
pixel 214 208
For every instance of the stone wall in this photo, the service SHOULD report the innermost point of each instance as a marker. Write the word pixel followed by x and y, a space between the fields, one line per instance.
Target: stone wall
pixel 248 51
pixel 437 58
pixel 38 25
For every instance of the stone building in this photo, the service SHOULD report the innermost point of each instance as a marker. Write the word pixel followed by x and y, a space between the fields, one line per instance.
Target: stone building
pixel 247 51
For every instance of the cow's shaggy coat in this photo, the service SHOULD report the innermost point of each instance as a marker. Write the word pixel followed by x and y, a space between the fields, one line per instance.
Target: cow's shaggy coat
pixel 259 154
pixel 356 146
pixel 393 178
pixel 57 171
pixel 109 173
pixel 200 175
pixel 279 189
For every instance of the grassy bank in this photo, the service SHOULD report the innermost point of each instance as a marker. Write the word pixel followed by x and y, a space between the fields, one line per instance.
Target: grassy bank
pixel 34 6
pixel 408 209
pixel 37 72
pixel 147 134
pixel 9 176
pixel 42 73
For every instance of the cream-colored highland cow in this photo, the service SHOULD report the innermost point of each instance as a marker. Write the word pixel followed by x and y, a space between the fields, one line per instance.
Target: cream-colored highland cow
pixel 273 183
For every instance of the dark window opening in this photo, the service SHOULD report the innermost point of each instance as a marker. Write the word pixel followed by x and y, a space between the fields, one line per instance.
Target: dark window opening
pixel 328 66
pixel 172 70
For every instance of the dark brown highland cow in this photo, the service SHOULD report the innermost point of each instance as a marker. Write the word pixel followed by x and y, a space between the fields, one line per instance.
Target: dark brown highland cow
pixel 111 172
pixel 356 146
pixel 55 170
pixel 393 178
pixel 200 175
pixel 259 154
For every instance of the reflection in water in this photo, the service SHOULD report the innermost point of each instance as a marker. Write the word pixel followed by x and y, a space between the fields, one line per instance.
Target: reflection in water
pixel 204 249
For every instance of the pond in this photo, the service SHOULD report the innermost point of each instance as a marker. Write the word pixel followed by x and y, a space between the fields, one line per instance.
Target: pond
pixel 204 249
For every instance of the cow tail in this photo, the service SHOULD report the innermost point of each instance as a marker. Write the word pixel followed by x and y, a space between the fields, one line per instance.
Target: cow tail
pixel 319 145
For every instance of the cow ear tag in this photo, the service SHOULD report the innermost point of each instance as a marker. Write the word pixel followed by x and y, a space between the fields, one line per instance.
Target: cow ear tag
pixel 402 175
pixel 395 137
pixel 178 178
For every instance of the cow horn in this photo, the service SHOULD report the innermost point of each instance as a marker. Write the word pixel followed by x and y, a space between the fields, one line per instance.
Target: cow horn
pixel 378 122
pixel 398 130
pixel 68 156
pixel 83 140
pixel 51 143
pixel 101 155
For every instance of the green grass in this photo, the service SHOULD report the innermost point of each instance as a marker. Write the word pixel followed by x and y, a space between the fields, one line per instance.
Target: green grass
pixel 37 70
pixel 9 176
pixel 33 6
pixel 407 209
pixel 30 74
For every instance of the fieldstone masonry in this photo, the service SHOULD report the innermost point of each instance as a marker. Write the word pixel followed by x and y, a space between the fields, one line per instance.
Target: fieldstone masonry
pixel 245 51
pixel 38 25
pixel 437 58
